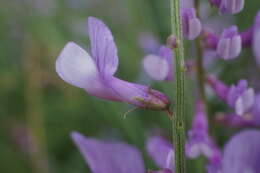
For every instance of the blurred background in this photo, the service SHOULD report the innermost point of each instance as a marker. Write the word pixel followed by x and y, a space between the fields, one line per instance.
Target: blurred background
pixel 38 110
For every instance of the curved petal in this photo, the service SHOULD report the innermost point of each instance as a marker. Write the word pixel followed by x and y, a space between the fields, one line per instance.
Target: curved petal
pixel 103 48
pixel 156 67
pixel 75 66
pixel 242 153
pixel 161 151
pixel 109 157
pixel 245 102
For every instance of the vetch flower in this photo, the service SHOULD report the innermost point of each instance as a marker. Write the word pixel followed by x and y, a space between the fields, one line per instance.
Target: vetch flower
pixel 191 24
pixel 199 142
pixel 229 6
pixel 109 157
pixel 95 73
pixel 239 96
pixel 230 44
pixel 160 67
pixel 242 153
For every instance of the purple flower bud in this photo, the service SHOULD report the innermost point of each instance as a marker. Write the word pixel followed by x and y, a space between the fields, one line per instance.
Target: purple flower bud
pixel 172 42
pixel 228 6
pixel 160 67
pixel 256 38
pixel 191 24
pixel 95 73
pixel 230 43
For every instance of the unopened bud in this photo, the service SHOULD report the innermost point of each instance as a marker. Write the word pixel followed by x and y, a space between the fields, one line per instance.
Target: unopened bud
pixel 172 42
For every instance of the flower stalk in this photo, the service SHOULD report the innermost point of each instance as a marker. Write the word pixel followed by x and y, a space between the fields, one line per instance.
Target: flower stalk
pixel 179 116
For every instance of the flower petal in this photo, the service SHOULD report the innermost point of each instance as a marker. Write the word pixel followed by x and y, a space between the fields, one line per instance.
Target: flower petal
pixel 103 48
pixel 161 151
pixel 245 102
pixel 105 157
pixel 75 66
pixel 156 67
pixel 242 153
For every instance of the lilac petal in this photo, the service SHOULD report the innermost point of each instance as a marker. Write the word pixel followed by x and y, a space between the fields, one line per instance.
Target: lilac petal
pixel 231 6
pixel 161 151
pixel 220 88
pixel 245 102
pixel 156 67
pixel 236 91
pixel 167 54
pixel 75 66
pixel 103 48
pixel 194 28
pixel 256 110
pixel 105 157
pixel 191 24
pixel 230 44
pixel 242 153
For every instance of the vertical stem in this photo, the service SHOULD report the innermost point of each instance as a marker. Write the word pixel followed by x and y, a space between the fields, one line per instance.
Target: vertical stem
pixel 34 113
pixel 200 68
pixel 179 116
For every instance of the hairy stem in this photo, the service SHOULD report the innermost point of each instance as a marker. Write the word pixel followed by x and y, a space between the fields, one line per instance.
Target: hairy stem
pixel 179 116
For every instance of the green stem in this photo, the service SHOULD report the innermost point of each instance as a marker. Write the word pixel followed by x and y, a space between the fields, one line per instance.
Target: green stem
pixel 179 116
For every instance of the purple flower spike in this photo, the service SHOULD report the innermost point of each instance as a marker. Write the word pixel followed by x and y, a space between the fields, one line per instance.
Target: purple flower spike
pixel 159 67
pixel 229 6
pixel 199 142
pixel 256 38
pixel 191 24
pixel 95 73
pixel 105 157
pixel 161 151
pixel 242 153
pixel 230 44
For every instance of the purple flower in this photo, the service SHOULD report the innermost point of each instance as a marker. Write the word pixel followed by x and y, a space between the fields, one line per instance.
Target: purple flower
pixel 160 67
pixel 191 24
pixel 230 44
pixel 161 151
pixel 256 38
pixel 239 96
pixel 148 42
pixel 242 153
pixel 199 142
pixel 228 6
pixel 95 73
pixel 109 157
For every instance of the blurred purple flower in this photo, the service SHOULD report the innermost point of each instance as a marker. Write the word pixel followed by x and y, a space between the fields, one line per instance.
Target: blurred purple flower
pixel 191 24
pixel 109 157
pixel 162 171
pixel 96 74
pixel 160 67
pixel 239 96
pixel 161 151
pixel 242 153
pixel 230 44
pixel 228 6
pixel 199 142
